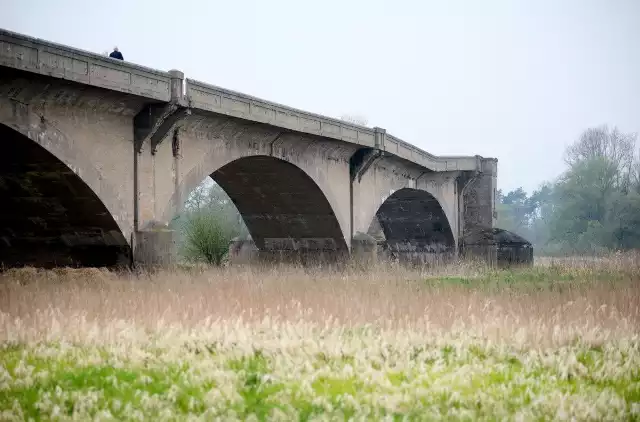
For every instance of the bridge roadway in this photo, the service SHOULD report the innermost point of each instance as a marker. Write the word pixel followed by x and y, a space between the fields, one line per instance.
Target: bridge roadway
pixel 109 150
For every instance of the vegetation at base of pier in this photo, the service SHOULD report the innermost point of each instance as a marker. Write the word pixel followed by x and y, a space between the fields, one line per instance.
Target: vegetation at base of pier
pixel 559 341
pixel 208 225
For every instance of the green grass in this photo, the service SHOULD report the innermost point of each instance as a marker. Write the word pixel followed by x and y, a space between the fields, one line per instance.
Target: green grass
pixel 123 385
pixel 477 381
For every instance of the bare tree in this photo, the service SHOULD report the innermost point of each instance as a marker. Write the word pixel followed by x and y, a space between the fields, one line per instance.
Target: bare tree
pixel 198 198
pixel 610 144
pixel 356 119
pixel 635 173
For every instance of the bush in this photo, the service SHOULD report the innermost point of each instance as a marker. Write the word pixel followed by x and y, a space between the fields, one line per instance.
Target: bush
pixel 206 237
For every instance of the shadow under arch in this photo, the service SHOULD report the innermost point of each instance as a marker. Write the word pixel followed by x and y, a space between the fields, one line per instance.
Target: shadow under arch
pixel 283 207
pixel 48 215
pixel 412 220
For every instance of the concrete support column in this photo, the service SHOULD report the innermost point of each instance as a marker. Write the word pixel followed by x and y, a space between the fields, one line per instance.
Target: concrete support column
pixel 478 211
pixel 157 175
pixel 479 196
pixel 144 188
pixel 359 164
pixel 364 249
pixel 156 247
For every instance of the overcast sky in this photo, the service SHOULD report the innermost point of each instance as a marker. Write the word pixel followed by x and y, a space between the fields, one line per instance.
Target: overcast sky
pixel 516 80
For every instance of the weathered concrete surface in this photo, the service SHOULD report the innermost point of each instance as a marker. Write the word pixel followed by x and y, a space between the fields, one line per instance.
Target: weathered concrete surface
pixel 389 177
pixel 289 188
pixel 131 143
pixel 242 251
pixel 211 98
pixel 48 216
pixel 498 247
pixel 88 130
pixel 156 247
pixel 82 136
pixel 35 55
pixel 479 196
pixel 364 249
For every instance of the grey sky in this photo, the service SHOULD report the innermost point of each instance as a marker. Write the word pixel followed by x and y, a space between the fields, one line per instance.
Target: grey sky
pixel 516 80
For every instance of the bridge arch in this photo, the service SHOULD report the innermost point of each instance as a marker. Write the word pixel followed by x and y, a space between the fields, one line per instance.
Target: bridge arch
pixel 414 220
pixel 283 207
pixel 49 216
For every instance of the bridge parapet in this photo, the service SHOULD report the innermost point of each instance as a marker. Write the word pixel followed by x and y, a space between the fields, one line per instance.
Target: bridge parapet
pixel 46 58
pixel 223 101
pixel 409 152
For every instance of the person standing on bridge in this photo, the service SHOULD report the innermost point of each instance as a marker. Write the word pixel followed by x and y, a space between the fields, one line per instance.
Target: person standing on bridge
pixel 115 54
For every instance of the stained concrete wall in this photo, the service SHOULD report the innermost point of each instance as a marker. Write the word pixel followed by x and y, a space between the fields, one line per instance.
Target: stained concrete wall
pixel 479 196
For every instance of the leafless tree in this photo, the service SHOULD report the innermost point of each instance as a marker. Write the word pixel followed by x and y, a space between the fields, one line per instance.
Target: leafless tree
pixel 610 144
pixel 355 119
pixel 198 198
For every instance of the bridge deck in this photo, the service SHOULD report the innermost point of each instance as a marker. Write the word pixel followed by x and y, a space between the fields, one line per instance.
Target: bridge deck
pixel 30 54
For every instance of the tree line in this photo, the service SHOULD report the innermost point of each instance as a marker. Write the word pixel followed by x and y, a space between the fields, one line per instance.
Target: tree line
pixel 592 207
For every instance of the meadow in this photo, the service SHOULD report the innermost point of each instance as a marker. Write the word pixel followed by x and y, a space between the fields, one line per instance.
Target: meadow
pixel 559 341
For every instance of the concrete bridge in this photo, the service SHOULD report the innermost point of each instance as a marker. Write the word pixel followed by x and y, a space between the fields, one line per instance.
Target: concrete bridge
pixel 97 154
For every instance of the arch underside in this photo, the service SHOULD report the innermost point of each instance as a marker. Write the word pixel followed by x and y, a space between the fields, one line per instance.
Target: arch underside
pixel 412 220
pixel 48 215
pixel 282 207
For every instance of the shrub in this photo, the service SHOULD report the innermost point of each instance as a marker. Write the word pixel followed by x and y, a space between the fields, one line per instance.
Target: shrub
pixel 206 237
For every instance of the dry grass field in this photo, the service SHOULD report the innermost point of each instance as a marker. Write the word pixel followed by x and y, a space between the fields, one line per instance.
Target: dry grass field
pixel 559 341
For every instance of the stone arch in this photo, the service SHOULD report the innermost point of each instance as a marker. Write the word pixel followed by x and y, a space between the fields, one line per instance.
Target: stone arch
pixel 413 219
pixel 49 215
pixel 283 207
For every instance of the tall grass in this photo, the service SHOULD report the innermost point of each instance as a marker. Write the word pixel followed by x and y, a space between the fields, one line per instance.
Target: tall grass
pixel 459 342
pixel 535 299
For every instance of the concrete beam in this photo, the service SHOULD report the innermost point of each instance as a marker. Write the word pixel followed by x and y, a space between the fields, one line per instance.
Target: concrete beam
pixel 156 120
pixel 359 168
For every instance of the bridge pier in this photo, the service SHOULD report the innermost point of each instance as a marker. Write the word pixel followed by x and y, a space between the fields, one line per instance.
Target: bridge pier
pixel 363 252
pixel 155 248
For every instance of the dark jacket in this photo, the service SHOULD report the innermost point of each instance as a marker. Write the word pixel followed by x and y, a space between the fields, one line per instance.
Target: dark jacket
pixel 116 55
